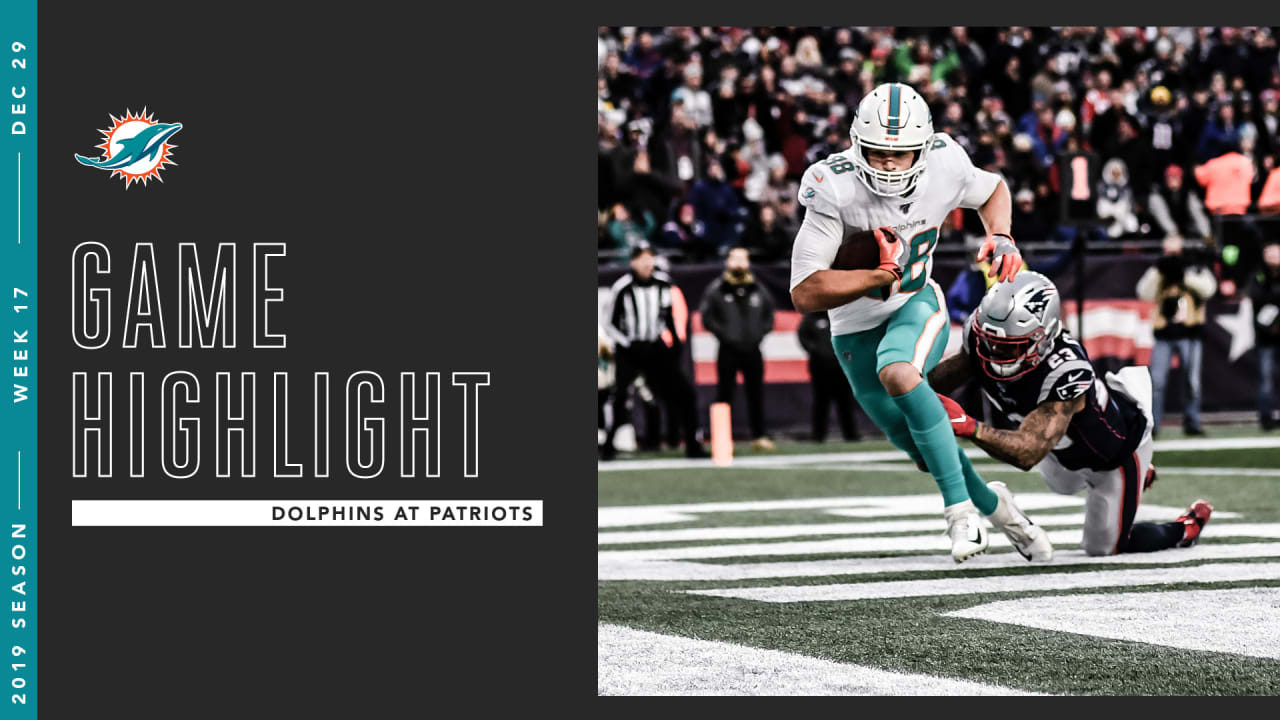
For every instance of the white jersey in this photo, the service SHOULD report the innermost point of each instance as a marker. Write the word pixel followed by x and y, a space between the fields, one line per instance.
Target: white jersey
pixel 839 205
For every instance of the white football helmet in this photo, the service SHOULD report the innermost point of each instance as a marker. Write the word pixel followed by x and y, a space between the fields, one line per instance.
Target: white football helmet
pixel 892 117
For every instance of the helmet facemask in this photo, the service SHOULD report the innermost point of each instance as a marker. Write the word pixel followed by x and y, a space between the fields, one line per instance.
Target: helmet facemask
pixel 889 183
pixel 1005 358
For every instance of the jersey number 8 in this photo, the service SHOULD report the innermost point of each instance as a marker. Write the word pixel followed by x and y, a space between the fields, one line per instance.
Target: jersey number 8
pixel 914 275
pixel 838 164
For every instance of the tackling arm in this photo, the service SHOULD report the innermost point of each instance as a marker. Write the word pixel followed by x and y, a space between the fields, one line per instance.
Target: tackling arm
pixel 950 374
pixel 1039 433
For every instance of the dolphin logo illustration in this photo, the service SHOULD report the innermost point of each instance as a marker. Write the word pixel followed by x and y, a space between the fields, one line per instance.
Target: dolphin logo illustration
pixel 143 146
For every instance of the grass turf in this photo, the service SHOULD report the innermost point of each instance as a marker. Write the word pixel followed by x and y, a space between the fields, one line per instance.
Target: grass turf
pixel 910 634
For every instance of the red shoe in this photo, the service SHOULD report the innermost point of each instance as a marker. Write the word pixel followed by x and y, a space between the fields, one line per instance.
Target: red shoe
pixel 1193 521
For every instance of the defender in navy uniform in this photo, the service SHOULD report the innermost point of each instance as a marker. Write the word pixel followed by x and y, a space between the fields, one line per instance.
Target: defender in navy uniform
pixel 1052 410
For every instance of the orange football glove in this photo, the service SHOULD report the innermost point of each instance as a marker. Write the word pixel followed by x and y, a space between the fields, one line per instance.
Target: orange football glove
pixel 1006 261
pixel 891 251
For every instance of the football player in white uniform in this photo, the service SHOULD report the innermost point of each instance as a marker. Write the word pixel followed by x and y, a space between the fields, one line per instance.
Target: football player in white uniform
pixel 889 325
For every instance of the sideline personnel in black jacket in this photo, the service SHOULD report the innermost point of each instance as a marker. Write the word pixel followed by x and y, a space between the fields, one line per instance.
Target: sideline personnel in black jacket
pixel 1265 293
pixel 739 312
pixel 826 377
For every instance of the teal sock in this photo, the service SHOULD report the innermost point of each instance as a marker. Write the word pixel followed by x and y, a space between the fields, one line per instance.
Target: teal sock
pixel 931 430
pixel 983 497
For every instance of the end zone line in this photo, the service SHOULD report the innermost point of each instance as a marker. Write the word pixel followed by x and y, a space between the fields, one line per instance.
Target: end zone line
pixel 1211 573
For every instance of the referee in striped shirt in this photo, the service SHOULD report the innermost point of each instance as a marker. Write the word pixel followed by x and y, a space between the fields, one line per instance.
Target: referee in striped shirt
pixel 648 318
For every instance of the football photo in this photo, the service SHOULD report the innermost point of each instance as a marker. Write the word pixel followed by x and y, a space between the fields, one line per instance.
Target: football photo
pixel 938 360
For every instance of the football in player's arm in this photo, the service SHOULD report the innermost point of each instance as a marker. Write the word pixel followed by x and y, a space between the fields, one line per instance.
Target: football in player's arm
pixel 827 289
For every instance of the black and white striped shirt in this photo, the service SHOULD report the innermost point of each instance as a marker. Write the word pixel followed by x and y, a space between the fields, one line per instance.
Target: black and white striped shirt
pixel 645 311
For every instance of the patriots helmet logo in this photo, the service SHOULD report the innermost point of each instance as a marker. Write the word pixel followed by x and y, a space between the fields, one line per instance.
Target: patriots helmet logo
pixel 1038 301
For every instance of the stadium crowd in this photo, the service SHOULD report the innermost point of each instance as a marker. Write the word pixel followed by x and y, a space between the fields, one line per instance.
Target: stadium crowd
pixel 703 132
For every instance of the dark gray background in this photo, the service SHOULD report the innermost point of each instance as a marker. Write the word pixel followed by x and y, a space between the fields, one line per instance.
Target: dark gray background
pixel 411 168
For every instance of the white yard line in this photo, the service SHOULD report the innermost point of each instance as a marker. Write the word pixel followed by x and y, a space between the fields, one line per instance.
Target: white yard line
pixel 638 662
pixel 1157 513
pixel 764 460
pixel 908 543
pixel 1220 473
pixel 1241 621
pixel 853 506
pixel 1221 572
pixel 892 455
pixel 859 506
pixel 614 569
pixel 992 468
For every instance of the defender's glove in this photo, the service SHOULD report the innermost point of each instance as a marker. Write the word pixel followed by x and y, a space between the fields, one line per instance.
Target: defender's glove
pixel 892 249
pixel 1006 261
pixel 961 422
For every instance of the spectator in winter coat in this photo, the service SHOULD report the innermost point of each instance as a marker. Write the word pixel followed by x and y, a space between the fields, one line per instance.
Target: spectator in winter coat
pixel 685 234
pixel 1176 208
pixel 768 238
pixel 1227 180
pixel 1221 135
pixel 1269 200
pixel 625 232
pixel 1180 290
pixel 716 205
pixel 739 312
pixel 1269 122
pixel 696 100
pixel 1115 200
pixel 1028 225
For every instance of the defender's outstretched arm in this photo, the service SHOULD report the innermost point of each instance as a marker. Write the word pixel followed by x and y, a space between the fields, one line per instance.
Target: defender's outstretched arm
pixel 1026 446
pixel 954 371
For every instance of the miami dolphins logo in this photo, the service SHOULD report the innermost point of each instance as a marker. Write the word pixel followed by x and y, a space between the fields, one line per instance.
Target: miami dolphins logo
pixel 135 148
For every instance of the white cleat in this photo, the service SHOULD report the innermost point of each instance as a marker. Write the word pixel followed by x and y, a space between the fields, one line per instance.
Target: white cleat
pixel 966 530
pixel 1029 539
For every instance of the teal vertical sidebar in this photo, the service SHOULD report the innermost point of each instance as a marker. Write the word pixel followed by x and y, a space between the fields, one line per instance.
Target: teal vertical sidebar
pixel 18 468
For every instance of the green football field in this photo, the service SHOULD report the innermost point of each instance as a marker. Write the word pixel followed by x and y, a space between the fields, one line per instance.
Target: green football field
pixel 824 569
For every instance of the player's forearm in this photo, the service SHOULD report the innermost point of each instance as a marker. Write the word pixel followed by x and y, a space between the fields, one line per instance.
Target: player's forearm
pixel 827 289
pixel 1019 448
pixel 997 211
pixel 949 374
